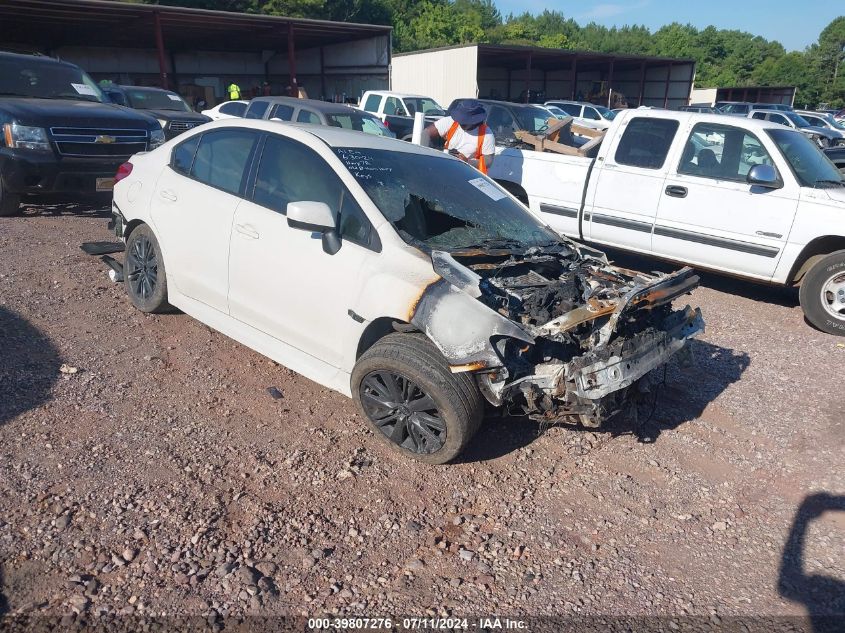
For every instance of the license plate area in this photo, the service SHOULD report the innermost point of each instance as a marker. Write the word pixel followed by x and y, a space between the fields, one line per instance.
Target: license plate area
pixel 104 184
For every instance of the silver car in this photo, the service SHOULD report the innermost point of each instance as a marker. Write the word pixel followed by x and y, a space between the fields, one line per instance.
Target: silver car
pixel 825 137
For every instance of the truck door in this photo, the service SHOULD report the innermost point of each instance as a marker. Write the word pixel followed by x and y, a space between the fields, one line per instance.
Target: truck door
pixel 709 215
pixel 629 183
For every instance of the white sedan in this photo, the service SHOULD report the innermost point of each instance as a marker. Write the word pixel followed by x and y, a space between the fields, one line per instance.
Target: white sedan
pixel 227 110
pixel 392 273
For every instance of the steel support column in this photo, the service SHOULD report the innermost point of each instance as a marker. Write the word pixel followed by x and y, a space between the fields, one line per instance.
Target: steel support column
pixel 610 84
pixel 642 85
pixel 323 76
pixel 162 64
pixel 528 79
pixel 574 79
pixel 294 89
pixel 666 92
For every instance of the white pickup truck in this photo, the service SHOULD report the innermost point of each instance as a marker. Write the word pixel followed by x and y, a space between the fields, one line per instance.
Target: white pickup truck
pixel 739 196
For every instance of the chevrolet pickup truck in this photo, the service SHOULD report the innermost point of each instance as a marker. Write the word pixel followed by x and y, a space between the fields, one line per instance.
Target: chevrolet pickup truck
pixel 733 195
pixel 397 110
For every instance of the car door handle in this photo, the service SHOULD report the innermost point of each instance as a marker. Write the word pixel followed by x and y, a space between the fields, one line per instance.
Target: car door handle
pixel 167 194
pixel 247 230
pixel 676 192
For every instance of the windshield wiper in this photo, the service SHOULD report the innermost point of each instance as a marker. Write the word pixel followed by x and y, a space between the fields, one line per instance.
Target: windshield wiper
pixel 830 181
pixel 14 94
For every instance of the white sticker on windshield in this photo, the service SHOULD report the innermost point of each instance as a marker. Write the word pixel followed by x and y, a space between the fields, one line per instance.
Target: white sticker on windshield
pixel 84 89
pixel 174 97
pixel 486 188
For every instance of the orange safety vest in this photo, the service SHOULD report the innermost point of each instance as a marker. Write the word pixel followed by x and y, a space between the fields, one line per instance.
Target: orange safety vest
pixel 482 130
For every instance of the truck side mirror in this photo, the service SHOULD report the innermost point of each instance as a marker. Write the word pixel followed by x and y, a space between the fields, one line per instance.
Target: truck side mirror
pixel 764 176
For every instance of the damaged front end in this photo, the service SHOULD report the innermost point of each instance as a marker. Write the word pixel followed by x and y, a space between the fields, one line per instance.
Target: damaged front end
pixel 554 332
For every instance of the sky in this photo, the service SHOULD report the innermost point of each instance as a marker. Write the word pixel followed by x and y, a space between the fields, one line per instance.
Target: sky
pixel 793 24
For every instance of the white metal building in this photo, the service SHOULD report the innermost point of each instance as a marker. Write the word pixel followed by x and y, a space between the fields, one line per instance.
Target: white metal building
pixel 509 72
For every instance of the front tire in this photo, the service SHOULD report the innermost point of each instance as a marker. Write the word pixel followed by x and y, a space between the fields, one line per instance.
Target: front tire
pixel 404 387
pixel 822 294
pixel 10 204
pixel 143 272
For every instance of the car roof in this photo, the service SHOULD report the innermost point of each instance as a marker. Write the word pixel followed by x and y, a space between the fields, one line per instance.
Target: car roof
pixel 326 107
pixel 143 88
pixel 401 95
pixel 510 104
pixel 23 57
pixel 704 117
pixel 330 135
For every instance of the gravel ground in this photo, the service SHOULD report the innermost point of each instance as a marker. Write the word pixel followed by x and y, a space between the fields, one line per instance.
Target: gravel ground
pixel 147 470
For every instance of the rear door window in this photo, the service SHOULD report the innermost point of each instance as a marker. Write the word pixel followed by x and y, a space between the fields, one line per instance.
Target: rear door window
pixel 183 155
pixel 646 142
pixel 233 108
pixel 256 110
pixel 372 103
pixel 394 106
pixel 571 109
pixel 590 113
pixel 223 157
pixel 282 112
pixel 307 116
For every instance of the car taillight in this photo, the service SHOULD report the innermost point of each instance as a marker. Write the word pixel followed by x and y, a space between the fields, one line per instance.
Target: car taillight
pixel 123 171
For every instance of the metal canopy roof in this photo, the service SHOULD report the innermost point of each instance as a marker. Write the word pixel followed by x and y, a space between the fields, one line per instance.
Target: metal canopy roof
pixel 514 57
pixel 50 24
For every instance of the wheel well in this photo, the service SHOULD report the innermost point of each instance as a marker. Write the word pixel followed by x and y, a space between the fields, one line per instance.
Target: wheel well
pixel 377 330
pixel 813 252
pixel 515 190
pixel 131 226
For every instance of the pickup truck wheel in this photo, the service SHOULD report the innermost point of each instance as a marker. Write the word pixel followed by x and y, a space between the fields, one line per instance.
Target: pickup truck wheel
pixel 143 272
pixel 822 294
pixel 403 386
pixel 10 204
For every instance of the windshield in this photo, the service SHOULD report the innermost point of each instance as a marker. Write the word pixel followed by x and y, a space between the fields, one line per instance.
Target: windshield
pixel 156 100
pixel 809 164
pixel 442 203
pixel 830 120
pixel 44 80
pixel 607 114
pixel 557 112
pixel 423 104
pixel 533 118
pixel 361 123
pixel 797 119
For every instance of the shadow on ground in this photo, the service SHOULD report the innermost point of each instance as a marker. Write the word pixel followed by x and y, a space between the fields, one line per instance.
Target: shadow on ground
pixel 822 596
pixel 756 291
pixel 89 208
pixel 29 365
pixel 682 398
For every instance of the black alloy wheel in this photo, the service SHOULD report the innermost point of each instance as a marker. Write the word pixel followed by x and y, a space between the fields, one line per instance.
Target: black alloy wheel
pixel 142 267
pixel 403 412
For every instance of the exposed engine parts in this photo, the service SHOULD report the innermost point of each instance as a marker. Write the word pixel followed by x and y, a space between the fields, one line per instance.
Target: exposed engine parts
pixel 566 334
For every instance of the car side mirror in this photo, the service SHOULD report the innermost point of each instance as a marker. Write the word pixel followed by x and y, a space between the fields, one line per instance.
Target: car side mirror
pixel 316 217
pixel 764 176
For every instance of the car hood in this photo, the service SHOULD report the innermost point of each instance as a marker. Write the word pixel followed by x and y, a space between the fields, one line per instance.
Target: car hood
pixel 69 113
pixel 175 115
pixel 822 131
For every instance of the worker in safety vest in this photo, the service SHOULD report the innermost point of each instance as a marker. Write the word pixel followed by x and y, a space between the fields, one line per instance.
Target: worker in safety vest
pixel 465 134
pixel 234 91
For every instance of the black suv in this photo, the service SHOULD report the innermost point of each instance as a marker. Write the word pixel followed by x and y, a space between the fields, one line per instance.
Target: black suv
pixel 171 110
pixel 58 135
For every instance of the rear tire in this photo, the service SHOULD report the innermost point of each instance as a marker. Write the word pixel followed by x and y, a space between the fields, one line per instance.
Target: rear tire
pixel 10 204
pixel 822 294
pixel 404 387
pixel 143 272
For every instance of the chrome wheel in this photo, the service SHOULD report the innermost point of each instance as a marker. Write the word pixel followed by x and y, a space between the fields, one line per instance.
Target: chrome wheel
pixel 833 296
pixel 142 267
pixel 403 412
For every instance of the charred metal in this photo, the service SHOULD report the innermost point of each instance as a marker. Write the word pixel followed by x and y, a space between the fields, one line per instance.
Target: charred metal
pixel 556 333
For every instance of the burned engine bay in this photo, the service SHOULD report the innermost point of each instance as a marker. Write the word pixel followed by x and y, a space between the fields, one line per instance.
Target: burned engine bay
pixel 555 332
